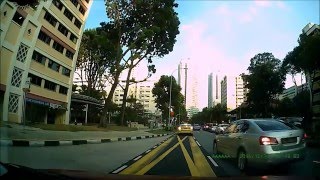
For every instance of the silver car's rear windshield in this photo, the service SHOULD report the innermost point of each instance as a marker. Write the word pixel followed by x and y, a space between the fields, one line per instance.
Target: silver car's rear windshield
pixel 272 125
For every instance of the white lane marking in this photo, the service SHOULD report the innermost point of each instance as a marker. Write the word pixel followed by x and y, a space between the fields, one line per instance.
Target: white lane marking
pixel 194 138
pixel 148 151
pixel 133 138
pixel 120 169
pixel 318 162
pixel 137 158
pixel 198 143
pixel 212 161
pixel 154 147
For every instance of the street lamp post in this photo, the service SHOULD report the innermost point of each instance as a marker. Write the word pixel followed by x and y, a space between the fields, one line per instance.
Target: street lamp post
pixel 170 92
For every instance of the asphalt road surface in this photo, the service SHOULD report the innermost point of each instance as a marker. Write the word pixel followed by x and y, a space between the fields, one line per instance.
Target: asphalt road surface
pixel 174 156
pixel 101 158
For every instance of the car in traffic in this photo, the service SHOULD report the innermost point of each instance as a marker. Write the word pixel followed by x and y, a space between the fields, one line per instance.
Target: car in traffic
pixel 196 127
pixel 185 128
pixel 221 128
pixel 260 143
pixel 213 128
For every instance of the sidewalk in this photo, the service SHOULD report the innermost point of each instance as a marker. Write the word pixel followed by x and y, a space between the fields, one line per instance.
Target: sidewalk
pixel 19 135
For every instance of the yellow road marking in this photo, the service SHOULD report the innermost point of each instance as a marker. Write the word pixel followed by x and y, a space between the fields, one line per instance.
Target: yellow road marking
pixel 156 161
pixel 145 160
pixel 193 169
pixel 200 161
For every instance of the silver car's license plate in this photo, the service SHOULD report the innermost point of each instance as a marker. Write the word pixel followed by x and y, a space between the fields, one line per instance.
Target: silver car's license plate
pixel 289 140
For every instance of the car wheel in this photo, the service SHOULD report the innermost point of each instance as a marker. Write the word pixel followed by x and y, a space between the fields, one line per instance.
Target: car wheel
pixel 215 148
pixel 242 160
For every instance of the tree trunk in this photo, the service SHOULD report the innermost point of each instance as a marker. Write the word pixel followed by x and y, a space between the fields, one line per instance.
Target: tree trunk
pixel 108 100
pixel 125 94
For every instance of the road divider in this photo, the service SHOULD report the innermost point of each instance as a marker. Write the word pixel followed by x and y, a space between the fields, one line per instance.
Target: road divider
pixel 40 143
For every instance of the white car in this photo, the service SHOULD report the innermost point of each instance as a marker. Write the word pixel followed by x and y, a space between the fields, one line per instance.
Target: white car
pixel 221 128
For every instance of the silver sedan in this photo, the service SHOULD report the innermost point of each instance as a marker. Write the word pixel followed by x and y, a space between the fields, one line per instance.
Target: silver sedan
pixel 260 142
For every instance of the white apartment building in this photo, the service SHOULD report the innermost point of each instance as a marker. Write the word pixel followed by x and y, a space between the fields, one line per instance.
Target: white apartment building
pixel 292 91
pixel 141 91
pixel 232 92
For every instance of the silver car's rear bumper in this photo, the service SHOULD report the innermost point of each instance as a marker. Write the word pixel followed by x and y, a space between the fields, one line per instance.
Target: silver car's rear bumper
pixel 276 158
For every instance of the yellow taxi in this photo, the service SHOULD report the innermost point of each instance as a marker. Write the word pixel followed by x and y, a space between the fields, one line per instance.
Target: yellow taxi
pixel 185 128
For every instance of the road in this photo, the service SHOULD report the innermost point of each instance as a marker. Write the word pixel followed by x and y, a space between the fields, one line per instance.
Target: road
pixel 177 156
pixel 101 158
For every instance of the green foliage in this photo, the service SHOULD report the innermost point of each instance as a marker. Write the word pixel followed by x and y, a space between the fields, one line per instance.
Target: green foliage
pixel 264 81
pixel 161 92
pixel 140 30
pixel 216 114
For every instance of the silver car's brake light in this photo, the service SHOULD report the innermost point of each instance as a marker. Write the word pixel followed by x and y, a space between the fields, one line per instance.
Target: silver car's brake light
pixel 268 140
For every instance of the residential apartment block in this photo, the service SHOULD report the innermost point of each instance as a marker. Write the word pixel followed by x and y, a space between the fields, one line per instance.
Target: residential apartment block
pixel 39 46
pixel 232 92
pixel 292 91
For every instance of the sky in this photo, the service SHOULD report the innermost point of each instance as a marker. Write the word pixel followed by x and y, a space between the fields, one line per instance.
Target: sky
pixel 222 36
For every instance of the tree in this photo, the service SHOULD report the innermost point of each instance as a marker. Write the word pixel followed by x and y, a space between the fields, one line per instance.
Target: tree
pixel 305 57
pixel 140 30
pixel 161 92
pixel 96 55
pixel 264 81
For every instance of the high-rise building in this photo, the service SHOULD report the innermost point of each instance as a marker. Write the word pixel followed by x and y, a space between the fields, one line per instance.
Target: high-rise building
pixel 182 79
pixel 232 92
pixel 39 47
pixel 210 91
pixel 217 90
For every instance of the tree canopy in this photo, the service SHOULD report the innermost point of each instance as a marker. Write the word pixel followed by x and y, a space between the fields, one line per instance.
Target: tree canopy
pixel 140 30
pixel 264 81
pixel 161 92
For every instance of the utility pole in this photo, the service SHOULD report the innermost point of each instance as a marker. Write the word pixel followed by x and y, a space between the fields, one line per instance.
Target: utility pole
pixel 185 89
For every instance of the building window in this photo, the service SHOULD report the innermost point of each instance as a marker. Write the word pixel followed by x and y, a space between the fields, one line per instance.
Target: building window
pixel 82 11
pixel 39 57
pixel 54 66
pixel 18 18
pixel 63 30
pixel 36 80
pixel 68 14
pixel 75 2
pixel 44 37
pixel 77 23
pixel 58 47
pixel 69 54
pixel 50 85
pixel 16 77
pixel 63 90
pixel 13 103
pixel 52 20
pixel 22 52
pixel 66 71
pixel 58 4
pixel 73 38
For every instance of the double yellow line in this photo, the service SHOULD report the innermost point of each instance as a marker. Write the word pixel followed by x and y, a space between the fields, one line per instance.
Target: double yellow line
pixel 199 167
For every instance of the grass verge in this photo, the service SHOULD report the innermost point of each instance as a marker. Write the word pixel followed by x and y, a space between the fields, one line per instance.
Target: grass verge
pixel 75 128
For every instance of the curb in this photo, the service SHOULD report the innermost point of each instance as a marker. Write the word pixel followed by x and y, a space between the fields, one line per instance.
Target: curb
pixel 34 143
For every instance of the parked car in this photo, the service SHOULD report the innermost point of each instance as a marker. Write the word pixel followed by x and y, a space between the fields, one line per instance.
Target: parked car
pixel 297 121
pixel 221 128
pixel 196 127
pixel 185 128
pixel 261 143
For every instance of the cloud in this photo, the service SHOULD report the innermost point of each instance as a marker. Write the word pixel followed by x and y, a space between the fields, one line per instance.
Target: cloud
pixel 263 3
